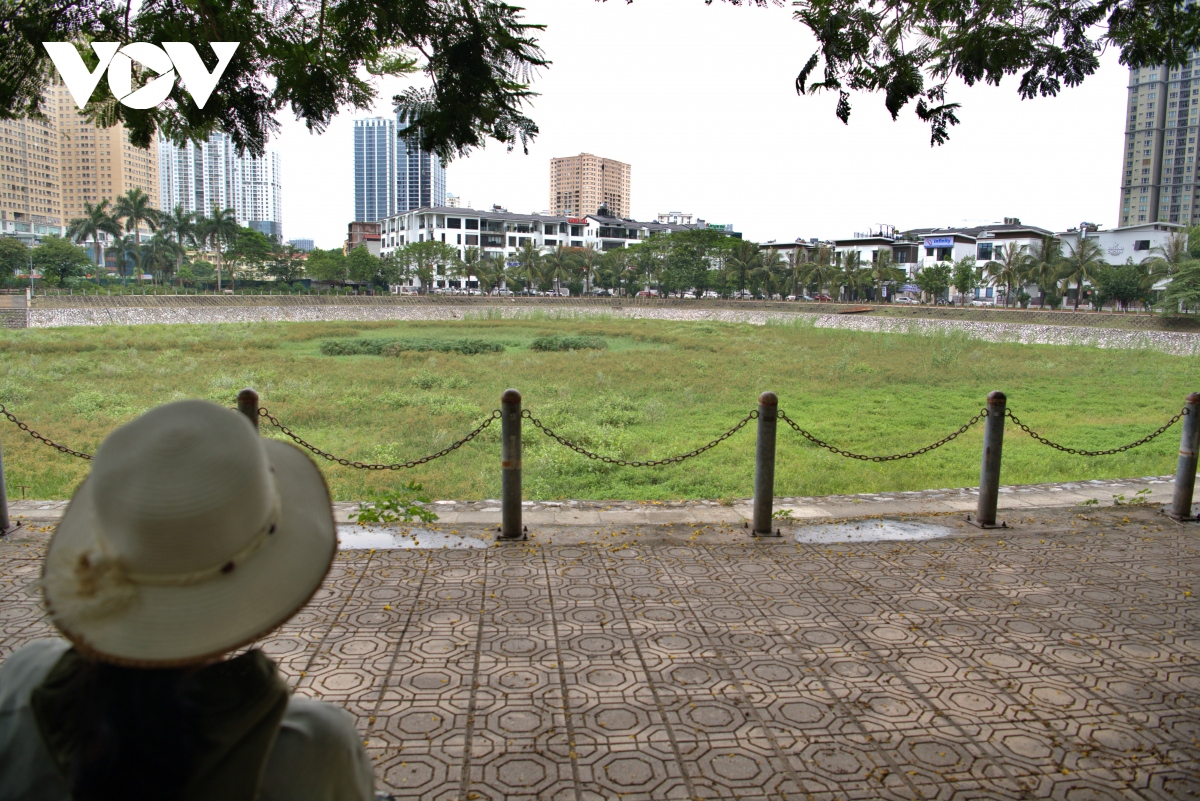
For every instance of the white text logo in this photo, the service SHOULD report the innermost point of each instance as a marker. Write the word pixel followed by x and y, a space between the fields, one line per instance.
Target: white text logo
pixel 118 61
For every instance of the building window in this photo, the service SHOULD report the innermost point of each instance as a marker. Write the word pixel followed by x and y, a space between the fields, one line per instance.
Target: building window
pixel 472 225
pixel 473 239
pixel 1141 244
pixel 453 222
pixel 512 241
pixel 983 251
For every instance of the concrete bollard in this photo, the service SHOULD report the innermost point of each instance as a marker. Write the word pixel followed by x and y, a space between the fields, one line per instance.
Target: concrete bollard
pixel 510 466
pixel 1185 472
pixel 247 404
pixel 764 464
pixel 4 522
pixel 989 473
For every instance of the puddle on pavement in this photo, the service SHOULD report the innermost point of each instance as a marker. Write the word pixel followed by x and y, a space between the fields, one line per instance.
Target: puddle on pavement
pixel 352 537
pixel 871 531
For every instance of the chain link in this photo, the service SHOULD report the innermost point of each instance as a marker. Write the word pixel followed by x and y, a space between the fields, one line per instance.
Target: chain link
pixel 625 463
pixel 911 454
pixel 1109 452
pixel 495 415
pixel 40 438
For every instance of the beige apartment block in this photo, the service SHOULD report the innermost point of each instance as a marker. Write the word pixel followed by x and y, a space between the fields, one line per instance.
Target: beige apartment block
pixel 580 185
pixel 30 187
pixel 97 163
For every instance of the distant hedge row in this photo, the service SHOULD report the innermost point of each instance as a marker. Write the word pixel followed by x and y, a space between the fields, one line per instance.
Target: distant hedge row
pixel 393 347
pixel 568 343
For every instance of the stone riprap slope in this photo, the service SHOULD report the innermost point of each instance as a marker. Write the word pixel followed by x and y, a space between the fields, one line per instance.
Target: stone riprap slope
pixel 168 310
pixel 1173 342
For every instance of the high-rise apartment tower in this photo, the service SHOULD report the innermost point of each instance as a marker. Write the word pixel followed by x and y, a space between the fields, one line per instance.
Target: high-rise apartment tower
pixel 30 173
pixel 97 163
pixel 581 184
pixel 1158 162
pixel 391 172
pixel 201 176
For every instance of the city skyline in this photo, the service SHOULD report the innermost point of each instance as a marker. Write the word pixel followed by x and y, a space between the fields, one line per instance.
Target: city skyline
pixel 796 171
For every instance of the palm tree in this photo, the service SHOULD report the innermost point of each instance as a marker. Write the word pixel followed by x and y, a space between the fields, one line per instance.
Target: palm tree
pixel 182 225
pixel 219 230
pixel 1166 259
pixel 1009 269
pixel 95 221
pixel 882 271
pixel 471 259
pixel 557 264
pixel 134 208
pixel 796 263
pixel 743 260
pixel 158 253
pixel 1082 263
pixel 123 249
pixel 771 270
pixel 488 271
pixel 820 271
pixel 529 267
pixel 1045 262
pixel 587 260
pixel 851 274
pixel 616 268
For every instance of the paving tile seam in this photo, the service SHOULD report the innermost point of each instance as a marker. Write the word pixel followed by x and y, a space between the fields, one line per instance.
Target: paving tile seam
pixel 473 696
pixel 948 653
pixel 821 676
pixel 782 758
pixel 664 719
pixel 1034 657
pixel 564 688
pixel 401 637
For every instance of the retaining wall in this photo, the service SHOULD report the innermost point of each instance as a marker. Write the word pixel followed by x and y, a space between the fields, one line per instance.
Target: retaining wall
pixel 1177 343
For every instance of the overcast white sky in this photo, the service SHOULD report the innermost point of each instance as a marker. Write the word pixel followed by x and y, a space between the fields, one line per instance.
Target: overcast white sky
pixel 700 100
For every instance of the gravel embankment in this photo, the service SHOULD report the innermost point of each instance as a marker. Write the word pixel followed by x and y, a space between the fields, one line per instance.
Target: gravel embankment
pixel 1180 344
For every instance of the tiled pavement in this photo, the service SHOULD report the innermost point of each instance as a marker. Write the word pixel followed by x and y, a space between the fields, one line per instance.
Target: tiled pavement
pixel 1057 660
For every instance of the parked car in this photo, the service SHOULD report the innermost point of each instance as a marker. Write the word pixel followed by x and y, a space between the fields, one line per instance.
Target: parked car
pixel 823 299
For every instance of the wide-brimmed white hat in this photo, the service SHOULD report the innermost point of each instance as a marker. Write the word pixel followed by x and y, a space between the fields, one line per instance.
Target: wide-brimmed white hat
pixel 192 536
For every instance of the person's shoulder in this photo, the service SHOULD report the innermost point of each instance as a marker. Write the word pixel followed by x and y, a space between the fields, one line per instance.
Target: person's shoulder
pixel 318 756
pixel 25 669
pixel 319 720
pixel 27 773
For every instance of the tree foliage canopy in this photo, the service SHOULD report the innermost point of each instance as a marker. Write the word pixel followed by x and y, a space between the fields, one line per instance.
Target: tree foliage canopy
pixel 309 57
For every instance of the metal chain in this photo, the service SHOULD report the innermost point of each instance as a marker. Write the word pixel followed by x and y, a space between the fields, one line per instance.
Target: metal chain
pixel 495 415
pixel 911 454
pixel 40 438
pixel 625 463
pixel 1109 452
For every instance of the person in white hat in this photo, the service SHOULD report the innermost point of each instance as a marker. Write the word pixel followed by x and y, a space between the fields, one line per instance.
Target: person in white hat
pixel 191 538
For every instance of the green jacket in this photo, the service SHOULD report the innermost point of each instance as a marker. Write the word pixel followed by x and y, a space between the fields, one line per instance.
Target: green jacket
pixel 259 744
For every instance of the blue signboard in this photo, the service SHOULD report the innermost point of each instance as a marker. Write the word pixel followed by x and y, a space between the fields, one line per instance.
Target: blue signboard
pixel 939 241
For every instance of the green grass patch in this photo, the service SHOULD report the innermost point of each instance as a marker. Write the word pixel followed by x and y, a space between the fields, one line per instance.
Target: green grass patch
pixel 394 347
pixel 560 342
pixel 660 388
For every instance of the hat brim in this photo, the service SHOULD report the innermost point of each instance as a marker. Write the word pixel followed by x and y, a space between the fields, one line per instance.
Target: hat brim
pixel 175 625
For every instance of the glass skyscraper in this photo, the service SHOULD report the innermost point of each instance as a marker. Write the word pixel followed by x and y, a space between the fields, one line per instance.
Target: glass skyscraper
pixel 422 175
pixel 391 173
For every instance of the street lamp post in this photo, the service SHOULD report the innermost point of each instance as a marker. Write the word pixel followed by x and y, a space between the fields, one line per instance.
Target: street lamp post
pixel 32 244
